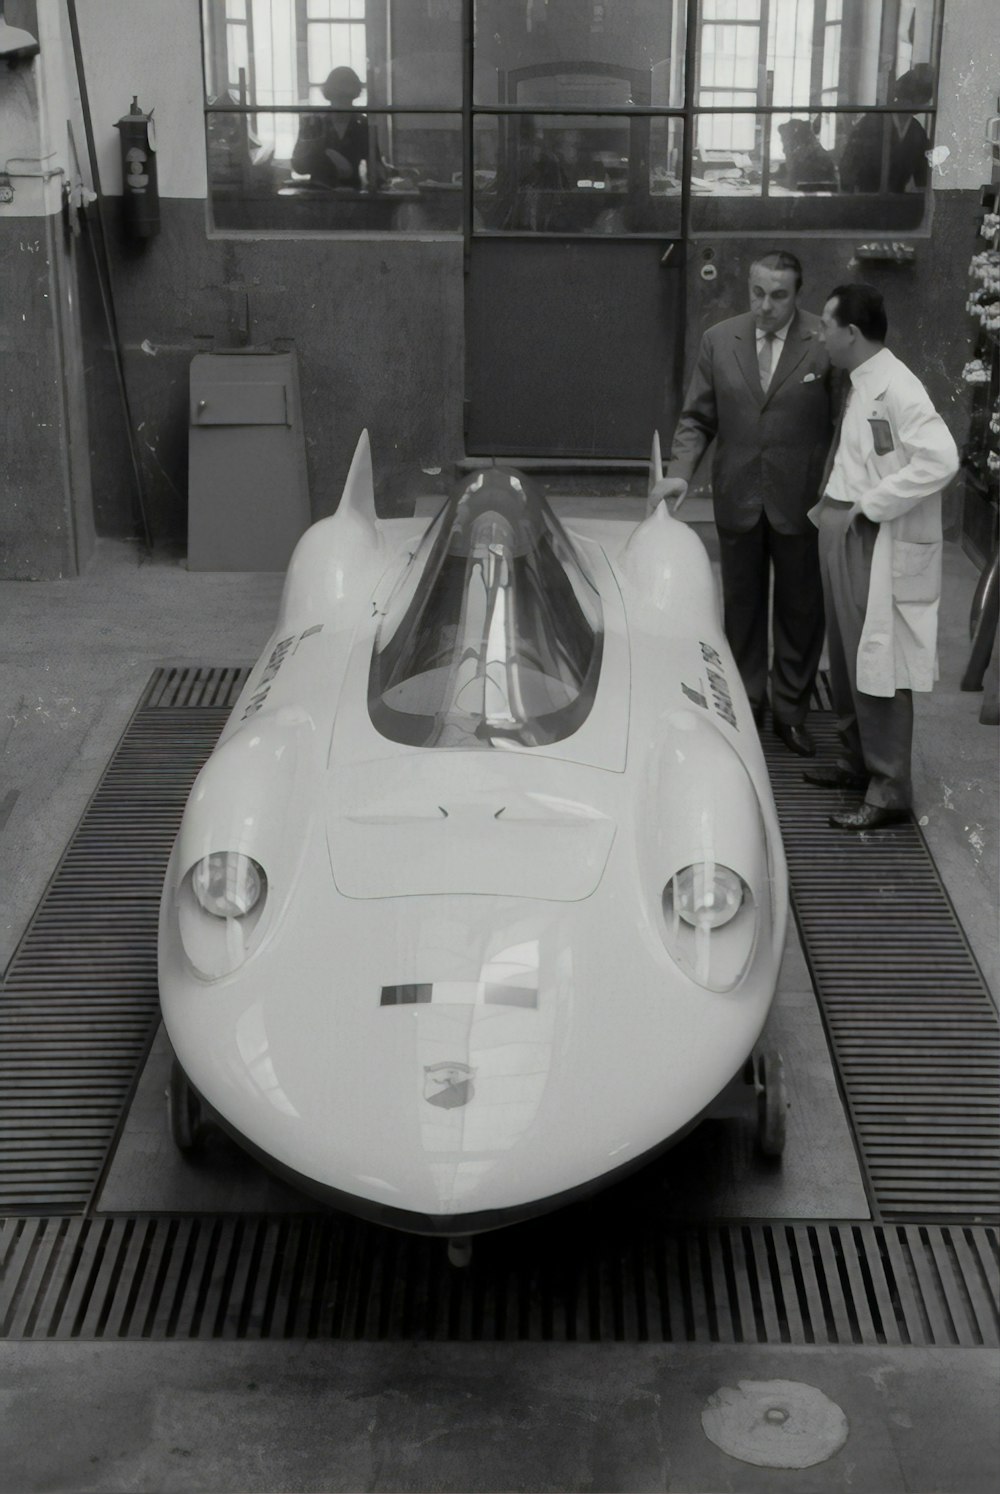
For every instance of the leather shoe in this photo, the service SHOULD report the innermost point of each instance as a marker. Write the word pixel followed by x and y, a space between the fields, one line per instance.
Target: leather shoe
pixel 869 817
pixel 835 778
pixel 795 738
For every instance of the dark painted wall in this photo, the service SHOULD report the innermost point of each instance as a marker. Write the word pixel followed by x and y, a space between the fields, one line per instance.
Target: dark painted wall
pixel 378 328
pixel 376 325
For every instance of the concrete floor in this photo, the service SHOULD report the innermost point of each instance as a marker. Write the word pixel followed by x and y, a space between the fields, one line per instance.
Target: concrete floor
pixel 74 658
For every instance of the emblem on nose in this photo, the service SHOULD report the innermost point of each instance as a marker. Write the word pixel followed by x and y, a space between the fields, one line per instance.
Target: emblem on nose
pixel 448 1084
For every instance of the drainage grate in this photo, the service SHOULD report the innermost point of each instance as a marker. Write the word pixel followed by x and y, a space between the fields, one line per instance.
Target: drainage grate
pixel 78 1005
pixel 197 688
pixel 913 1029
pixel 311 1277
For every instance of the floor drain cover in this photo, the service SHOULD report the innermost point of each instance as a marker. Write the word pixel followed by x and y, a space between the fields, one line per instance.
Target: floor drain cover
pixel 775 1423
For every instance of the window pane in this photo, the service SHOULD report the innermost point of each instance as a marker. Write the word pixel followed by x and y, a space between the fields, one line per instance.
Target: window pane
pixel 398 172
pixel 420 60
pixel 334 45
pixel 570 174
pixel 758 171
pixel 731 10
pixel 631 47
pixel 852 52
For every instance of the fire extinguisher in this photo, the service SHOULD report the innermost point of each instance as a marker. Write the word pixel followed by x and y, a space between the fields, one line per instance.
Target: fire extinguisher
pixel 140 194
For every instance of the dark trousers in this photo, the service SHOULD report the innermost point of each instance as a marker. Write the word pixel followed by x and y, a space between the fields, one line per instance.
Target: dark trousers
pixel 876 731
pixel 796 614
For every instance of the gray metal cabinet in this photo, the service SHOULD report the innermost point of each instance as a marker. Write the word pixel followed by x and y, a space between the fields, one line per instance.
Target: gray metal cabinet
pixel 248 491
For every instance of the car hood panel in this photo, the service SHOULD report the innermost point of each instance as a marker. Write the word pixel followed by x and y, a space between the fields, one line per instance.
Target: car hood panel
pixel 436 823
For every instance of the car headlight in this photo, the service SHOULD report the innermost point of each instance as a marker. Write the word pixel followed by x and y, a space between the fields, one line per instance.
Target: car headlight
pixel 710 923
pixel 232 890
pixel 227 884
pixel 707 895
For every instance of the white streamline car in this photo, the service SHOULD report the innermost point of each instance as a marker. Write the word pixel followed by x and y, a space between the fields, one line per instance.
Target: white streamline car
pixel 480 900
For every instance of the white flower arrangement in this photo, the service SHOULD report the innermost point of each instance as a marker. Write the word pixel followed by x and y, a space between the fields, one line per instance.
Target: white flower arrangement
pixel 985 267
pixel 976 372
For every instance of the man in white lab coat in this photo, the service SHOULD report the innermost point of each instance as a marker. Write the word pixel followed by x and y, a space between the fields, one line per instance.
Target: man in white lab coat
pixel 879 521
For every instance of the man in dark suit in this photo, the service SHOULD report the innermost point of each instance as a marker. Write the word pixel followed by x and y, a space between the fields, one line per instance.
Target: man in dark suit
pixel 761 390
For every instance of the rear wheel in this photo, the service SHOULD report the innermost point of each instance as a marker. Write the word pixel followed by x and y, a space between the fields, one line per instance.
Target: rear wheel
pixel 184 1112
pixel 772 1104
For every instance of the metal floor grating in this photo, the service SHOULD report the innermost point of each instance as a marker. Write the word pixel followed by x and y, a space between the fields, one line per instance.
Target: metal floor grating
pixel 313 1277
pixel 912 1026
pixel 79 1004
pixel 912 1029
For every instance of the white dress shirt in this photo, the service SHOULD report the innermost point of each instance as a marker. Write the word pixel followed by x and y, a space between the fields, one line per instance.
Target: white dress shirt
pixel 776 346
pixel 849 477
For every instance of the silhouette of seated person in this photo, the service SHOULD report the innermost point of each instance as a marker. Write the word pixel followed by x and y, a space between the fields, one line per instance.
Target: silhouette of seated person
pixel 908 142
pixel 333 146
pixel 808 166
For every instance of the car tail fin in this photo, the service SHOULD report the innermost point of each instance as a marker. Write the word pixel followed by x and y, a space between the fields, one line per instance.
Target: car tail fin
pixel 357 502
pixel 655 463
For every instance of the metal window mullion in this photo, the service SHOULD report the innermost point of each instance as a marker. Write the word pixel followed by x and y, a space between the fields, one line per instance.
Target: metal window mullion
pixel 818 53
pixel 302 48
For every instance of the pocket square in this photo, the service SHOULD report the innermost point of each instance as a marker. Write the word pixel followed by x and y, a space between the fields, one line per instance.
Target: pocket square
pixel 810 378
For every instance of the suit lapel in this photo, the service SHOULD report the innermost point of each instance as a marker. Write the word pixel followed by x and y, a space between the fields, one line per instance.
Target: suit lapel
pixel 745 348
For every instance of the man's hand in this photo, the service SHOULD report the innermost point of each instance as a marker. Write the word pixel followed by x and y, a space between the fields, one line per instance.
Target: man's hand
pixel 666 488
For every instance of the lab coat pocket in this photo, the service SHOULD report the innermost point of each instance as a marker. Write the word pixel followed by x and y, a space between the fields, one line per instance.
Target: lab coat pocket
pixel 916 571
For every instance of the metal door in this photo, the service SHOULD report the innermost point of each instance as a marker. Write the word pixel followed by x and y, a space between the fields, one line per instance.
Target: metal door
pixel 575 284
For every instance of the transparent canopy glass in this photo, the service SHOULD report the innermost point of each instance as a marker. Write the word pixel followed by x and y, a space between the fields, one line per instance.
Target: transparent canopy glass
pixel 493 633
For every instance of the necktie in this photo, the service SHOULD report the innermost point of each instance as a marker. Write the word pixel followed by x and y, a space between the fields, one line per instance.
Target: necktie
pixel 765 354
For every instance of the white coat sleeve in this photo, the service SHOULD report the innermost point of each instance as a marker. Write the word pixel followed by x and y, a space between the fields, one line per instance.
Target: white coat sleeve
pixel 925 458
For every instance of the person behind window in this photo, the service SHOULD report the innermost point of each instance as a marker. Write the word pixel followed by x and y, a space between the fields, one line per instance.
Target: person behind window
pixel 908 144
pixel 808 166
pixel 333 146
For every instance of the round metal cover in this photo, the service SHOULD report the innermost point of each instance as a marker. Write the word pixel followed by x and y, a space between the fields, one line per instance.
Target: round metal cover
pixel 775 1423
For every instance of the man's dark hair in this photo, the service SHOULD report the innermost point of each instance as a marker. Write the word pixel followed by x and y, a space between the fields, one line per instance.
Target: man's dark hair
pixel 780 259
pixel 860 306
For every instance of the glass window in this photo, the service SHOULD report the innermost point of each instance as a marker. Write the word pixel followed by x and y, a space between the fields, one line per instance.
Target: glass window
pixel 493 633
pixel 566 53
pixel 576 117
pixel 794 100
pixel 577 174
pixel 334 114
pixel 803 184
pixel 371 171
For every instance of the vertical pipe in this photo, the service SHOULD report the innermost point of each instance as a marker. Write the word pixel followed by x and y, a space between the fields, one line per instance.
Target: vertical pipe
pixel 104 277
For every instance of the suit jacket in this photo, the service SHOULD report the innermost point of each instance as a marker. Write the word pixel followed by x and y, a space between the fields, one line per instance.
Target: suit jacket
pixel 861 163
pixel 770 448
